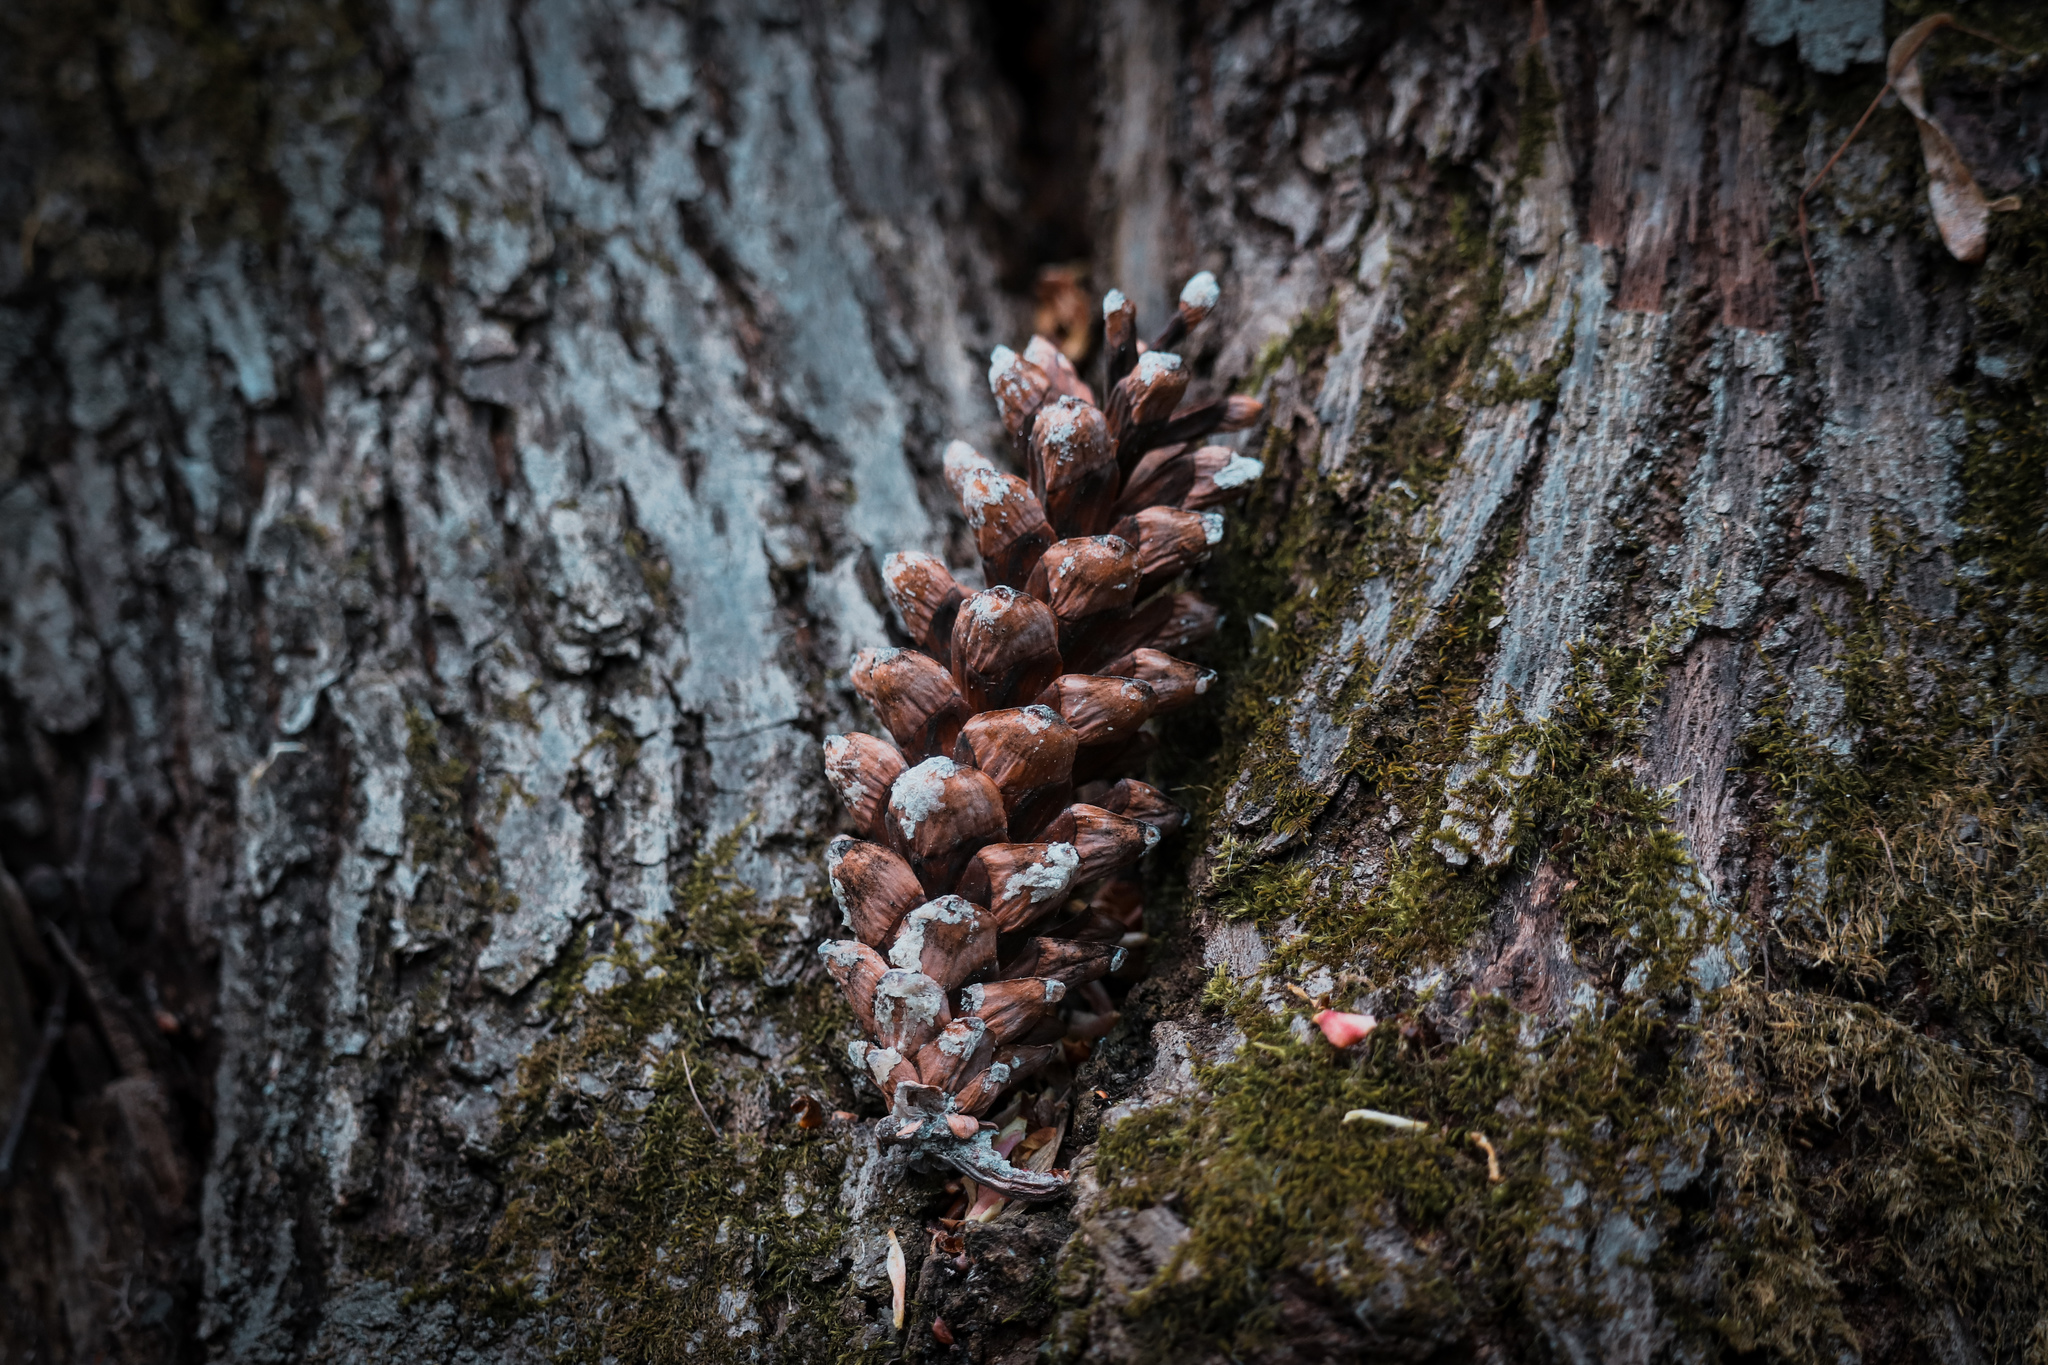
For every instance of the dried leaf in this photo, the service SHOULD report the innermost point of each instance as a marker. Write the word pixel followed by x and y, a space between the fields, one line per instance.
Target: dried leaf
pixel 1961 211
pixel 1038 1151
pixel 987 1204
pixel 1063 311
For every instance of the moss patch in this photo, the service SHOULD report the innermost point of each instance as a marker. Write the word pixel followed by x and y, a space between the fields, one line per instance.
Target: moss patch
pixel 633 1228
pixel 1276 1188
pixel 1833 1152
pixel 1305 556
pixel 1879 1102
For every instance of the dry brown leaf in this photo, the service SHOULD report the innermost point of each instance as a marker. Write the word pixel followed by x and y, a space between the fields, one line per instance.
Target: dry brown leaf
pixel 1038 1151
pixel 1064 311
pixel 1961 212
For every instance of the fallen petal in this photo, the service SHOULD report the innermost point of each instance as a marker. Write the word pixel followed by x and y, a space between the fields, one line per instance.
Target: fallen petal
pixel 1345 1029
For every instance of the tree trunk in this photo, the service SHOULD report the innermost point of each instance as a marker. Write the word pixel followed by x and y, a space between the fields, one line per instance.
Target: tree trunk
pixel 449 450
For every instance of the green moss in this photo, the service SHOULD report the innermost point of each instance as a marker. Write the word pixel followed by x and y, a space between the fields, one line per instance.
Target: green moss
pixel 653 567
pixel 1878 1101
pixel 433 804
pixel 1311 336
pixel 1865 1103
pixel 634 1228
pixel 1305 565
pixel 1302 560
pixel 1535 117
pixel 454 890
pixel 1275 1188
pixel 1865 1138
pixel 1884 1087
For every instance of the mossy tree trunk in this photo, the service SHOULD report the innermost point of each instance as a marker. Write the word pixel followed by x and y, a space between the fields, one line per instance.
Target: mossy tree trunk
pixel 448 448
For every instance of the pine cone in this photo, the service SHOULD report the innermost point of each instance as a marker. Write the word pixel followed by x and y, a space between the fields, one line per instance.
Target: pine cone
pixel 980 890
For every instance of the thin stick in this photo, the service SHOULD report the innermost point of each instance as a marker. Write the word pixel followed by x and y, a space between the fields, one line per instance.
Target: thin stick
pixel 1479 1140
pixel 17 1124
pixel 1805 243
pixel 1935 26
pixel 1980 33
pixel 53 1019
pixel 691 1081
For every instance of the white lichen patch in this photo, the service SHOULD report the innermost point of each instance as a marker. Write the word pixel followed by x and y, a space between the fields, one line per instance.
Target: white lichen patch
pixel 962 459
pixel 919 792
pixel 842 769
pixel 990 604
pixel 962 1037
pixel 1238 471
pixel 1046 878
pixel 981 490
pixel 840 952
pixel 835 854
pixel 908 995
pixel 1154 366
pixel 1059 428
pixel 903 561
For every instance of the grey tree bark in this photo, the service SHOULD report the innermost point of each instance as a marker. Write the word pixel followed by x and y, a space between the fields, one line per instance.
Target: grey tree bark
pixel 448 450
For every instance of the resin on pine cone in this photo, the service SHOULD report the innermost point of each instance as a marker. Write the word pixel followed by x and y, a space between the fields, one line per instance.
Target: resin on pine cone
pixel 982 882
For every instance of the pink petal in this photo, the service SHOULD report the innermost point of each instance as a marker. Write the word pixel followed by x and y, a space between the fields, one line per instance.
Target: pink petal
pixel 1345 1029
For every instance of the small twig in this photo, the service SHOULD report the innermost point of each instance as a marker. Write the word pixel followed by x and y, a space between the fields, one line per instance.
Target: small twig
pixel 691 1081
pixel 53 1019
pixel 1895 62
pixel 1805 241
pixel 1980 33
pixel 17 1124
pixel 1887 851
pixel 1493 1175
pixel 121 1046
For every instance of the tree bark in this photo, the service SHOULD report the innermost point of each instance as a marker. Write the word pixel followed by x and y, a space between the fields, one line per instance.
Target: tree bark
pixel 449 449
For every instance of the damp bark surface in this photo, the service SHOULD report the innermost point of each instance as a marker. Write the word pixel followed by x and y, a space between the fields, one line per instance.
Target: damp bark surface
pixel 448 451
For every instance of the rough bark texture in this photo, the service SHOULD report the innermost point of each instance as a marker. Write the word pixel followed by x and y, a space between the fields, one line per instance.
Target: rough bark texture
pixel 447 451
